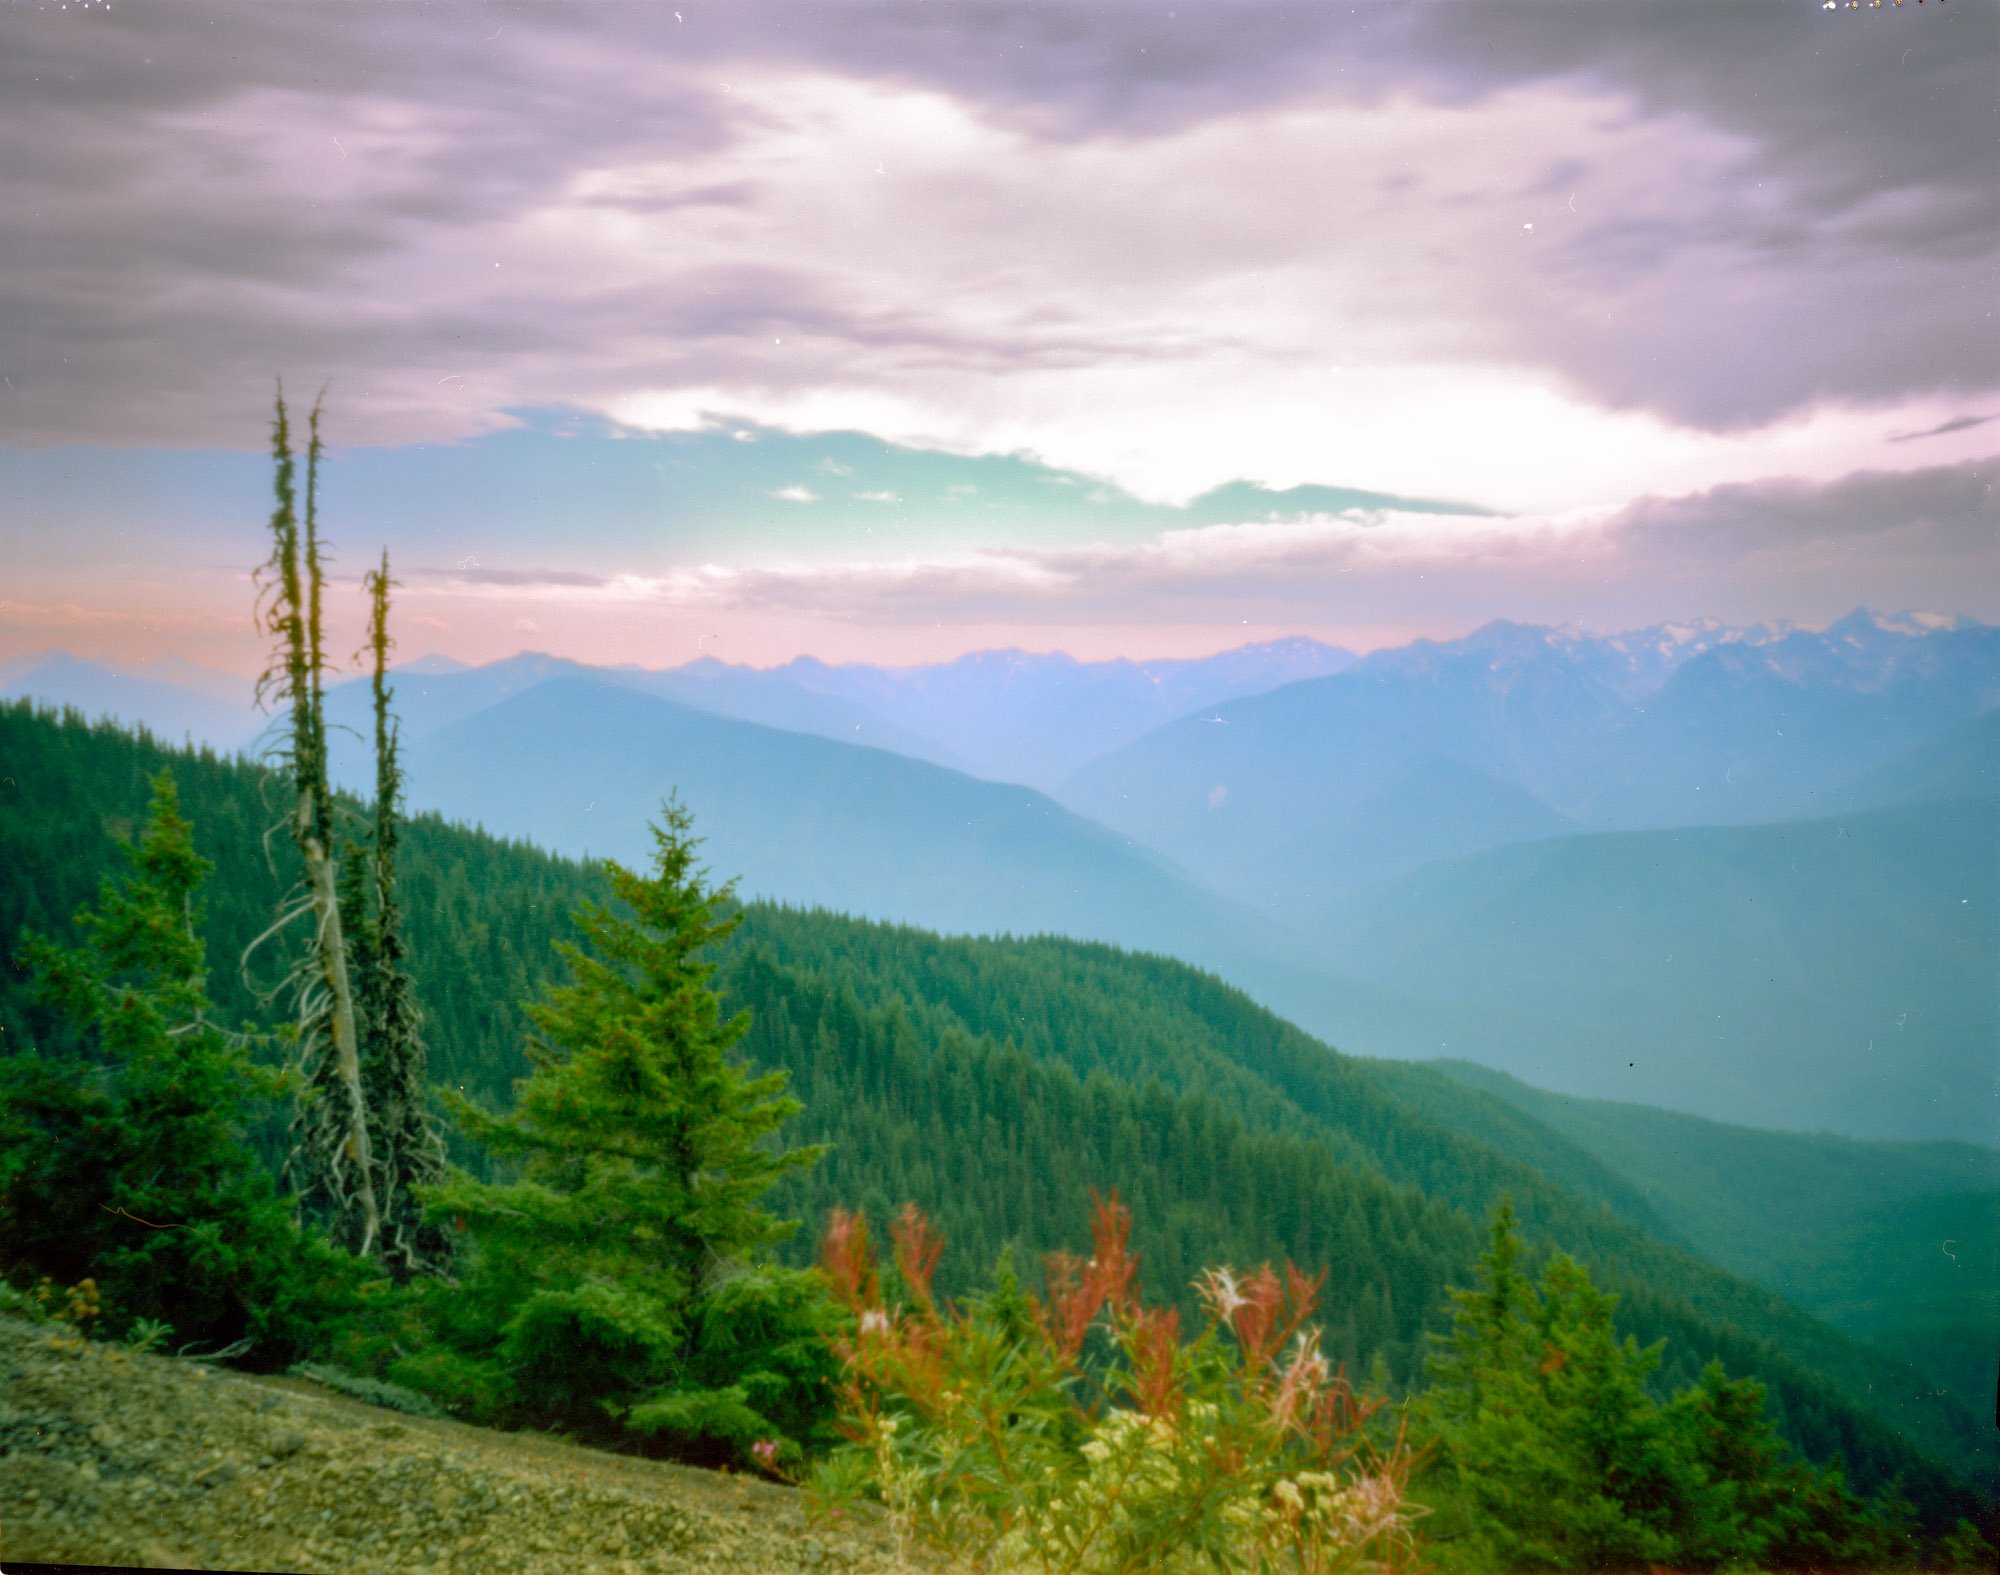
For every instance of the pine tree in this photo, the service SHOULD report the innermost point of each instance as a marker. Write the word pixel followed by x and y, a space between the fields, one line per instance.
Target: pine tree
pixel 1489 1325
pixel 620 1279
pixel 129 1161
pixel 408 1150
pixel 1565 1462
pixel 331 1166
pixel 1561 1455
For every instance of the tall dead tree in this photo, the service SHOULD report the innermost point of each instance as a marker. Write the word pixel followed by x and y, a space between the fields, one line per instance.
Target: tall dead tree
pixel 409 1152
pixel 331 1167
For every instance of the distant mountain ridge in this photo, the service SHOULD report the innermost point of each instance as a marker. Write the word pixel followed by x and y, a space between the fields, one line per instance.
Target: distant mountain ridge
pixel 1831 974
pixel 1677 725
pixel 1897 1243
pixel 172 698
pixel 1565 856
pixel 818 821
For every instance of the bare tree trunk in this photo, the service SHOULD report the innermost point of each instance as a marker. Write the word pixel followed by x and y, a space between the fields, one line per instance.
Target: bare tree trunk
pixel 365 1231
pixel 331 1165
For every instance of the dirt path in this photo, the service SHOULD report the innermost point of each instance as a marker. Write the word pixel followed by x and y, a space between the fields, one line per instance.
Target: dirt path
pixel 107 1457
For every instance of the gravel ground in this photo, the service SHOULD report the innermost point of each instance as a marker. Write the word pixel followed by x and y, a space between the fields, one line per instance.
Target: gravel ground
pixel 113 1458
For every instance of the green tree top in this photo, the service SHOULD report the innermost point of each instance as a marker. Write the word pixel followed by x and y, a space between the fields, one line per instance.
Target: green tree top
pixel 1566 1462
pixel 620 1275
pixel 136 1167
pixel 643 1139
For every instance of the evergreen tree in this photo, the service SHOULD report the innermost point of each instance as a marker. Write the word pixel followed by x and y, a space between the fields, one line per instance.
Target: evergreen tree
pixel 331 1166
pixel 1563 1459
pixel 1566 1462
pixel 408 1150
pixel 126 1160
pixel 619 1282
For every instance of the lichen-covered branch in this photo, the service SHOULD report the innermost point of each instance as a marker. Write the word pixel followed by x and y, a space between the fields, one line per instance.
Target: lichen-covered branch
pixel 331 1166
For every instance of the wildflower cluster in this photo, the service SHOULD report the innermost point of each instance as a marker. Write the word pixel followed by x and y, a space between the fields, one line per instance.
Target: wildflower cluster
pixel 77 1305
pixel 1077 1430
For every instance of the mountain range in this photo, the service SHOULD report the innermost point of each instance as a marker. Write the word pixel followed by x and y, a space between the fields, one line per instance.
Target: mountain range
pixel 1748 873
pixel 998 1081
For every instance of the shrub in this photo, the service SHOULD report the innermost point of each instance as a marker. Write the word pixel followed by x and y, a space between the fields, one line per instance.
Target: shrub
pixel 1078 1431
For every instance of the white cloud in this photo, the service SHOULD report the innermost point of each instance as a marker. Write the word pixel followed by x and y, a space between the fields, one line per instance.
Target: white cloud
pixel 1782 547
pixel 1413 280
pixel 796 494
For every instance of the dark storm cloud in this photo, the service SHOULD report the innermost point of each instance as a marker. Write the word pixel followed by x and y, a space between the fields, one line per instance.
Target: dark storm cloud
pixel 1857 250
pixel 202 195
pixel 1942 429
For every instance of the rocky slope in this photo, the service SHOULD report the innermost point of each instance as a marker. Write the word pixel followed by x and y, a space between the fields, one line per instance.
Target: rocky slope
pixel 114 1458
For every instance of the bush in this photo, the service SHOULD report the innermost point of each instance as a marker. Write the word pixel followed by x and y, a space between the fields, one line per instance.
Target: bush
pixel 1077 1431
pixel 125 1160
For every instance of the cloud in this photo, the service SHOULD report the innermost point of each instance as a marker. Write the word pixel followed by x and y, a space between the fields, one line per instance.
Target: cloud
pixel 527 626
pixel 1779 547
pixel 877 497
pixel 1947 512
pixel 57 615
pixel 1171 250
pixel 796 494
pixel 474 575
pixel 1942 429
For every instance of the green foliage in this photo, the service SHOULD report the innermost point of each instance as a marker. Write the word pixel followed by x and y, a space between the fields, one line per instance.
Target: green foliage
pixel 123 1157
pixel 1563 1461
pixel 1896 1243
pixel 1078 1432
pixel 407 1147
pixel 615 1286
pixel 1001 1079
pixel 1967 1551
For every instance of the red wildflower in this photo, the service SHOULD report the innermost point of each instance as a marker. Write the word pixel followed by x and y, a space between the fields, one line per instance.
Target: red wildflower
pixel 1113 1268
pixel 917 1251
pixel 848 1258
pixel 1259 1316
pixel 1156 1341
pixel 1073 1302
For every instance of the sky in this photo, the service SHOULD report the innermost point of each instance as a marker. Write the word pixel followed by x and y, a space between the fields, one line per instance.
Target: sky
pixel 887 332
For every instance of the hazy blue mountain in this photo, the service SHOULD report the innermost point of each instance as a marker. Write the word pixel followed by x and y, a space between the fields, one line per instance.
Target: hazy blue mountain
pixel 1897 1243
pixel 776 701
pixel 1961 762
pixel 1834 974
pixel 1747 733
pixel 432 666
pixel 1005 715
pixel 439 694
pixel 1677 725
pixel 580 765
pixel 175 700
pixel 1020 717
pixel 1234 790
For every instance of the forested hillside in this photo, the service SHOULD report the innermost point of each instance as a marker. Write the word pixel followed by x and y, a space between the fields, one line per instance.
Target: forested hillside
pixel 996 1082
pixel 1897 1243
